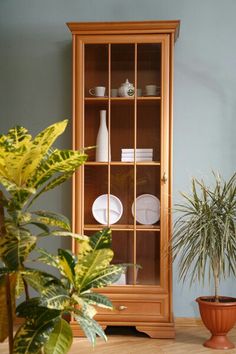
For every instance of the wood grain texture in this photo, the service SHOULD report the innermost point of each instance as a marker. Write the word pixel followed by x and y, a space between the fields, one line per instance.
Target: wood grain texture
pixel 127 341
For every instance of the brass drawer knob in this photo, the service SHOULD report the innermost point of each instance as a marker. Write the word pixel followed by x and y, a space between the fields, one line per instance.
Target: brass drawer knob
pixel 122 308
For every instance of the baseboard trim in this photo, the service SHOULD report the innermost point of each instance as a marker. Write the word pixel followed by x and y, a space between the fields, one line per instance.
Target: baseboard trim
pixel 188 321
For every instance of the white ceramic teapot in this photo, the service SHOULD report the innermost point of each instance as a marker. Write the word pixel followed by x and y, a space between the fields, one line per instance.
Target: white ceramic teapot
pixel 126 89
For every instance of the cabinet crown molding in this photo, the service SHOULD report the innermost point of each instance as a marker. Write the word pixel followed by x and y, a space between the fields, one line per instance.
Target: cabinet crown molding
pixel 141 27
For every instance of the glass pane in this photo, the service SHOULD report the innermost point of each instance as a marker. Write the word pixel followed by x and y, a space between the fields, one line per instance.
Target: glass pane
pixel 148 195
pixel 95 185
pixel 149 129
pixel 122 64
pixel 96 67
pixel 122 187
pixel 92 123
pixel 123 247
pixel 149 69
pixel 148 257
pixel 122 128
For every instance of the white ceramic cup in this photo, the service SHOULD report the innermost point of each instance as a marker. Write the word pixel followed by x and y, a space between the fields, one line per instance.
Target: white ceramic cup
pixel 98 91
pixel 151 90
pixel 114 92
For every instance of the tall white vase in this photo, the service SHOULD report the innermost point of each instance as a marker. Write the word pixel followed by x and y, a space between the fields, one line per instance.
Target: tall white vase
pixel 102 150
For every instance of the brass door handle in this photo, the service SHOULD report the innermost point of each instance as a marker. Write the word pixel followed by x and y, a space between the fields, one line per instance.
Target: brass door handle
pixel 122 308
pixel 164 178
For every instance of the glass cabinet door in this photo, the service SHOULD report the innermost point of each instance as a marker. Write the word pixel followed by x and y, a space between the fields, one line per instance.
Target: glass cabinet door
pixel 124 190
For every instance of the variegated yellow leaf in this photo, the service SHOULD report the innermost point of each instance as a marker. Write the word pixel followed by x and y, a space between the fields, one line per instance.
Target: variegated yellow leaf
pixel 64 161
pixel 40 146
pixel 85 307
pixel 92 264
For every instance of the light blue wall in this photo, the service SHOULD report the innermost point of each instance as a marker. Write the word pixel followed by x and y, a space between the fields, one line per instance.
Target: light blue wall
pixel 35 83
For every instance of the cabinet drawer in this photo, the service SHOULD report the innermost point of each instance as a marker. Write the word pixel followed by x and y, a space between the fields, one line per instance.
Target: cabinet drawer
pixel 136 310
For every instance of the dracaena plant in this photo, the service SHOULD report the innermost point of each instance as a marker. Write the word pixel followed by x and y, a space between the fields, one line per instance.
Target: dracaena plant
pixel 204 239
pixel 29 167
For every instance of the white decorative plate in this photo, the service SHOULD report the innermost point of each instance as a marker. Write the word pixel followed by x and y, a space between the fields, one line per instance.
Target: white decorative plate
pixel 100 212
pixel 147 209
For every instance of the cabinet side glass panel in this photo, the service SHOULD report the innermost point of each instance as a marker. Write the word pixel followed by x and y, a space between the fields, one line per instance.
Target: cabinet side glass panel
pixel 149 69
pixel 96 67
pixel 95 185
pixel 148 257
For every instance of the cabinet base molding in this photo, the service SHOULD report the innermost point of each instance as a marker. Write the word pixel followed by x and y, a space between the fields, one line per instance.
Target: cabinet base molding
pixel 160 330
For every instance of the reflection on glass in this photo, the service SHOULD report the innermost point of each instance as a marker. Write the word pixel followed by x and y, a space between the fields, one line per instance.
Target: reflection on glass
pixel 123 247
pixel 148 257
pixel 122 186
pixel 149 128
pixel 96 69
pixel 149 69
pixel 96 184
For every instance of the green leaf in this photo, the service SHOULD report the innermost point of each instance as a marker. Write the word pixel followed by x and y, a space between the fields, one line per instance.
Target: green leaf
pixel 16 245
pixel 60 161
pixel 91 264
pixel 97 299
pixel 77 237
pixel 101 239
pixel 52 219
pixel 35 332
pixel 55 297
pixel 39 148
pixel 13 147
pixel 42 226
pixel 105 277
pixel 39 280
pixel 19 284
pixel 60 339
pixel 14 189
pixel 47 258
pixel 67 264
pixel 54 182
pixel 90 328
pixel 31 309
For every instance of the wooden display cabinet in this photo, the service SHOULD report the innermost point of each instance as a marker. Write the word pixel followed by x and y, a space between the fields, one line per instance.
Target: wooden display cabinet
pixel 106 54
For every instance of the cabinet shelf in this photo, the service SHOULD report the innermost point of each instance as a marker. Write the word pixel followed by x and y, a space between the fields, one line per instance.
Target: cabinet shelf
pixel 123 227
pixel 97 100
pixel 121 163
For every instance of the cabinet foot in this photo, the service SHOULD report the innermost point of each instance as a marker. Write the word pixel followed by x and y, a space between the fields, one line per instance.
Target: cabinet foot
pixel 158 331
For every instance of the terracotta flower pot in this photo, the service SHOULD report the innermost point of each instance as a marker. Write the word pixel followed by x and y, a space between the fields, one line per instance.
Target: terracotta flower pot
pixel 219 318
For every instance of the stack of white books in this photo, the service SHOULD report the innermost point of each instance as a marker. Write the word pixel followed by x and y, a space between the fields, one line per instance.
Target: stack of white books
pixel 127 155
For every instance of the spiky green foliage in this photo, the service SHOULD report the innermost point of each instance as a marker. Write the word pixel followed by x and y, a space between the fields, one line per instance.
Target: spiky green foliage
pixel 205 234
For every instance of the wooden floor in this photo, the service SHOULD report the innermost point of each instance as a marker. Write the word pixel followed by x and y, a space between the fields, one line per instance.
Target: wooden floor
pixel 127 341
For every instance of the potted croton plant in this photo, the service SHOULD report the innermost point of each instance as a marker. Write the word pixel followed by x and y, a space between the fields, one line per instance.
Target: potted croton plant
pixel 29 167
pixel 204 244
